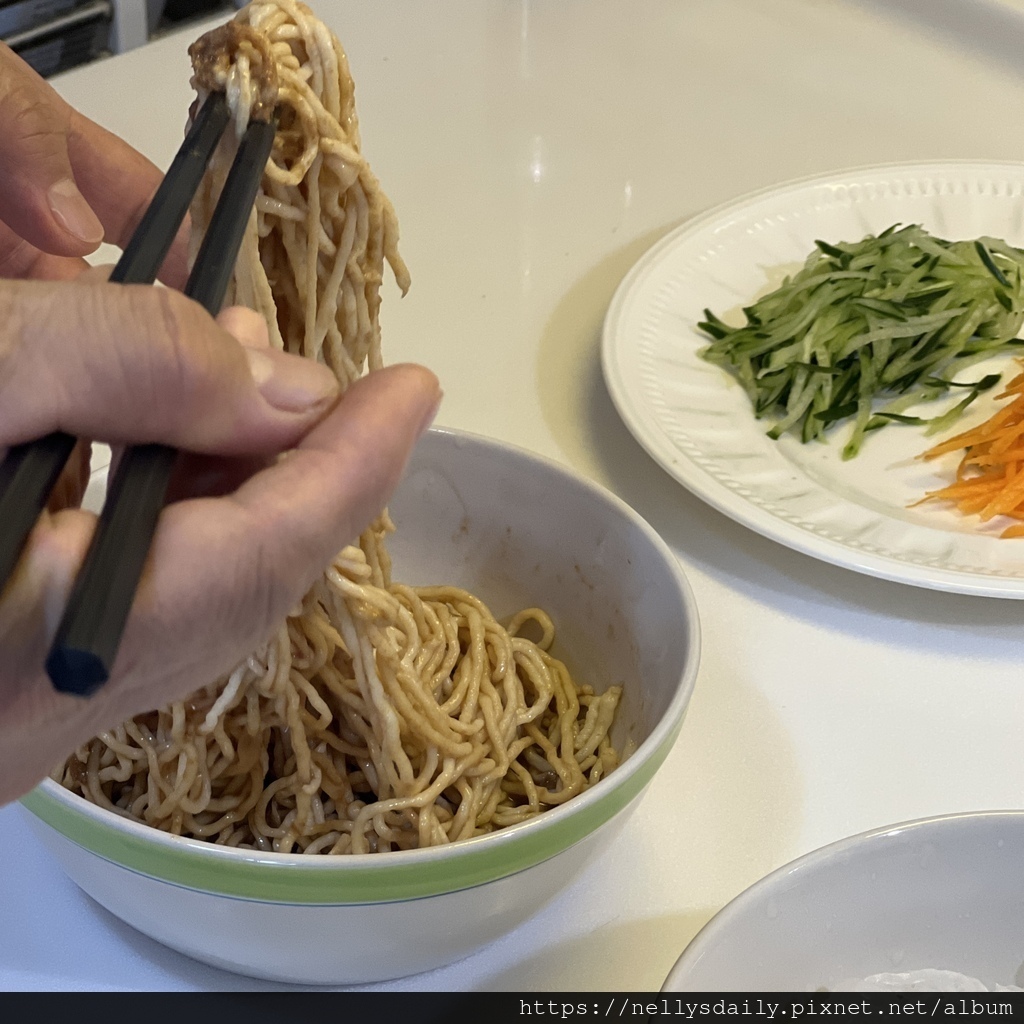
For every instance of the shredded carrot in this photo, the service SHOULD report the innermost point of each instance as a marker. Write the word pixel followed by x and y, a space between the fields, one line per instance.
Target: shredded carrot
pixel 990 477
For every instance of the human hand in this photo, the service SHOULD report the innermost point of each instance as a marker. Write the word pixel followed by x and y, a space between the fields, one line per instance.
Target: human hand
pixel 148 365
pixel 68 183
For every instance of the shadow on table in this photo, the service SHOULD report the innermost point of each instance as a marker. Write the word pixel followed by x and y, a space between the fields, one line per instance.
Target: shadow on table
pixel 590 960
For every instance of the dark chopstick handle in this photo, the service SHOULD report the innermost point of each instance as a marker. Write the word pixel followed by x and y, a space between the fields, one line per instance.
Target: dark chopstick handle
pixel 218 253
pixel 27 476
pixel 95 612
pixel 152 239
pixel 29 471
pixel 90 631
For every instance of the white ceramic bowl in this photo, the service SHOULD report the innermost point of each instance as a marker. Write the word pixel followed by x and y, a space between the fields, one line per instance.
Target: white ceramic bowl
pixel 944 893
pixel 517 530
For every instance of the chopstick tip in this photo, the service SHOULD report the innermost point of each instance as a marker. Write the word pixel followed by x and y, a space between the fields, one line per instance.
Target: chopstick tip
pixel 75 671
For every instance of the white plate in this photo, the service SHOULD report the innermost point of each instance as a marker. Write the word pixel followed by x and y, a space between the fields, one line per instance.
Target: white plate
pixel 697 422
pixel 945 893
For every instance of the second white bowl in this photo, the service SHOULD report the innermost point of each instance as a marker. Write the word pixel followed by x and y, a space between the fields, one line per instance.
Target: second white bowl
pixel 943 893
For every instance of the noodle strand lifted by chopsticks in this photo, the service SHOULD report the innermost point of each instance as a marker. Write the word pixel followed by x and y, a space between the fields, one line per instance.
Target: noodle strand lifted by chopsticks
pixel 379 716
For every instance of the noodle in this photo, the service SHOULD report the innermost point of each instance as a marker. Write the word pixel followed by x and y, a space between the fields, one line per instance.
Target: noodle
pixel 378 716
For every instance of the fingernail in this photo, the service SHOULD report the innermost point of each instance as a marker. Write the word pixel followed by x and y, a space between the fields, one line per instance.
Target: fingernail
pixel 291 383
pixel 74 213
pixel 431 414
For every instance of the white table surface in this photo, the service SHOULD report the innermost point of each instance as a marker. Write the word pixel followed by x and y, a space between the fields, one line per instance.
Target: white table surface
pixel 533 151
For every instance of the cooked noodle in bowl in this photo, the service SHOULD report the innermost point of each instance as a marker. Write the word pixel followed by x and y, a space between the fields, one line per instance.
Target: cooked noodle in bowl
pixel 380 717
pixel 429 745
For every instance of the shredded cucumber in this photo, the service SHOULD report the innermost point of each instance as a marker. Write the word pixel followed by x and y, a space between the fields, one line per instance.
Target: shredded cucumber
pixel 868 329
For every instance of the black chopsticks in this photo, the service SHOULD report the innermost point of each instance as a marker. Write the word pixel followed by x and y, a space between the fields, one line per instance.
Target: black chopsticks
pixel 89 633
pixel 30 470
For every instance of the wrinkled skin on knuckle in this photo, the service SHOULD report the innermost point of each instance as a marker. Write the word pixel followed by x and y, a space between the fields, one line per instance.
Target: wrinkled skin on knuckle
pixel 171 368
pixel 32 123
pixel 26 370
pixel 162 367
pixel 192 364
pixel 121 345
pixel 32 115
pixel 66 345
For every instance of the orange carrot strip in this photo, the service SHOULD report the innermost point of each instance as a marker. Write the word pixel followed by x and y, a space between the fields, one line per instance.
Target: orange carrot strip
pixel 990 476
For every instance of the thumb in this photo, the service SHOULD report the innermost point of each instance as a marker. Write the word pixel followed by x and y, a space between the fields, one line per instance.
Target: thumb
pixel 40 199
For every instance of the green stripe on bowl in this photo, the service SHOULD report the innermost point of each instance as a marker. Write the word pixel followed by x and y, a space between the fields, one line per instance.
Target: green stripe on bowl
pixel 370 878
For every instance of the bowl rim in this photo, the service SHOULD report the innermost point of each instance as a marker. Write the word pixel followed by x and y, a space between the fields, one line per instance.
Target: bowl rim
pixel 397 875
pixel 814 861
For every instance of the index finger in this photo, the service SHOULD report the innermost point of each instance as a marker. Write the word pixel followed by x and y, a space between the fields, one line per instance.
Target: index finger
pixel 119 182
